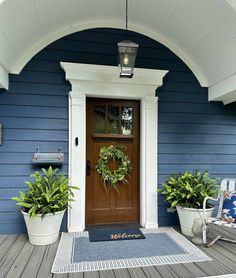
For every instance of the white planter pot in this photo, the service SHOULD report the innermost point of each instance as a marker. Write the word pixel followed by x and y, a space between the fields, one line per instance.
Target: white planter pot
pixel 187 217
pixel 43 231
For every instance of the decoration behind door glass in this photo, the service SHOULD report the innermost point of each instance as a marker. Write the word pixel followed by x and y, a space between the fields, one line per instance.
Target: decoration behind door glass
pixel 126 120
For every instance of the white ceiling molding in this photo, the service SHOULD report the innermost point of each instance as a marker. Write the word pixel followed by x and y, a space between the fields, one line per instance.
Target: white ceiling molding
pixel 22 61
pixel 4 79
pixel 204 38
pixel 224 91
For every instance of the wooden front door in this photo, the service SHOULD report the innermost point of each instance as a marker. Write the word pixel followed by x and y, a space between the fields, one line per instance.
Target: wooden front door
pixel 112 122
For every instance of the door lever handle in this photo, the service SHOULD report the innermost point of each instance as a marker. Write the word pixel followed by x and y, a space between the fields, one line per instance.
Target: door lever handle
pixel 88 167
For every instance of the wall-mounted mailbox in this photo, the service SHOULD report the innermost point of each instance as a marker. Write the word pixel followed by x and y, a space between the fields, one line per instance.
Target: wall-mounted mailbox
pixel 56 158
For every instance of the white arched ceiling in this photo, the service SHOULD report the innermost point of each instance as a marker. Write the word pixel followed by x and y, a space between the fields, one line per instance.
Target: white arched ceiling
pixel 202 33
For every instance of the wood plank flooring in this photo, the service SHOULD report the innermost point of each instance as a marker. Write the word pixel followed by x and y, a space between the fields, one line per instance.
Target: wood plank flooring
pixel 18 258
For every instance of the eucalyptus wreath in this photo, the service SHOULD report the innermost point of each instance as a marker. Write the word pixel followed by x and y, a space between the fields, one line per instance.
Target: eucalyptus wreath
pixel 110 177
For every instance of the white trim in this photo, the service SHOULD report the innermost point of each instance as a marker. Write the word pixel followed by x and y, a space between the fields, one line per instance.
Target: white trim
pixel 77 156
pixel 104 81
pixel 223 91
pixel 221 276
pixel 4 78
pixel 49 38
pixel 232 3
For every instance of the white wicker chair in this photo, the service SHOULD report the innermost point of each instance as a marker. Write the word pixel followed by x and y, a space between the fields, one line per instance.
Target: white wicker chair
pixel 229 186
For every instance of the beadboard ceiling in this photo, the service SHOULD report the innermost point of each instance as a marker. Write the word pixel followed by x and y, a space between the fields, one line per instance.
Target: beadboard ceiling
pixel 201 32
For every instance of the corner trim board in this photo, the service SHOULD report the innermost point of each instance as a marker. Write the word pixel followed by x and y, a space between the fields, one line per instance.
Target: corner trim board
pixel 4 78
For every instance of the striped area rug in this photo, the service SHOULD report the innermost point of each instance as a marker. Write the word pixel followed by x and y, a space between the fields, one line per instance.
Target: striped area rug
pixel 161 246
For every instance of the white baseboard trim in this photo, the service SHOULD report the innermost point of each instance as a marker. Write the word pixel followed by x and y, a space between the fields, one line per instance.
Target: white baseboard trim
pixel 150 225
pixel 75 229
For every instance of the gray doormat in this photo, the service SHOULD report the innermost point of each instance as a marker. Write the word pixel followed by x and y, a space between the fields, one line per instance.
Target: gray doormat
pixel 162 246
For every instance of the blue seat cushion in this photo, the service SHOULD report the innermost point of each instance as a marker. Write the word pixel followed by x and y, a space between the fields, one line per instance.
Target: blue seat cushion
pixel 229 209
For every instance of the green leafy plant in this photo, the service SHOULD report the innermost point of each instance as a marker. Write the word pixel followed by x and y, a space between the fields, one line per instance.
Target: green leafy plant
pixel 48 193
pixel 189 189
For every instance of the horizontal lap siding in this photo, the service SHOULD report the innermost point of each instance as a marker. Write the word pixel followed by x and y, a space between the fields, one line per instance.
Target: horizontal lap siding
pixel 193 133
pixel 34 113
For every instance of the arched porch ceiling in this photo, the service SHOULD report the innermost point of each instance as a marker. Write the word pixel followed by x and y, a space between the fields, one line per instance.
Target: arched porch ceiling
pixel 200 32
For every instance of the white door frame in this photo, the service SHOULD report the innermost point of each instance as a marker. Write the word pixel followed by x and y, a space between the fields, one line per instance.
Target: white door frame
pixel 103 81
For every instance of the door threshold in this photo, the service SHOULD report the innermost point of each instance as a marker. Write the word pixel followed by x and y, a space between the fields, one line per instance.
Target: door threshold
pixel 90 227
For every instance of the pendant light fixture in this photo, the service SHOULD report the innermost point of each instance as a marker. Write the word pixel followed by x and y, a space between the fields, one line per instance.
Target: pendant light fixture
pixel 127 53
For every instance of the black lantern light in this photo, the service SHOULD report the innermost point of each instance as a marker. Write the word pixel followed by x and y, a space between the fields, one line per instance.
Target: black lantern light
pixel 127 53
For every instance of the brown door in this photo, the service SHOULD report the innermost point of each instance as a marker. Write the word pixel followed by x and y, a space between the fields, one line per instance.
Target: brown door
pixel 112 122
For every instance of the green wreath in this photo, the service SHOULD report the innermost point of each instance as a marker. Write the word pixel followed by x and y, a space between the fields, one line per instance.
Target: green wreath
pixel 110 177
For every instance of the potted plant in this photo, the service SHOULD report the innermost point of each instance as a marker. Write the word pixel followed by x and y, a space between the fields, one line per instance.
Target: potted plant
pixel 186 191
pixel 43 205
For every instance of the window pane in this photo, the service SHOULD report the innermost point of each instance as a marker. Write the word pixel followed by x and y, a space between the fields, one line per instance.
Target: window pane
pixel 113 120
pixel 99 119
pixel 126 120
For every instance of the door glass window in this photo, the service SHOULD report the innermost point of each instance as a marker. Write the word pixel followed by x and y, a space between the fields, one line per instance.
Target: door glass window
pixel 113 120
pixel 100 119
pixel 109 119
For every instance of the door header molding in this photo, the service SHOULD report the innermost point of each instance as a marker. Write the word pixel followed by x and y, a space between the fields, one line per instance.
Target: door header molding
pixel 103 81
pixel 95 79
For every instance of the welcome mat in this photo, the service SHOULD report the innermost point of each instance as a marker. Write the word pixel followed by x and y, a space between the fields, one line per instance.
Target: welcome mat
pixel 96 235
pixel 161 246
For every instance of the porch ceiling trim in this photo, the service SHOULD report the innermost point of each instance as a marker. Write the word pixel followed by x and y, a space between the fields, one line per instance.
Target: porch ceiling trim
pixel 223 91
pixel 204 38
pixel 22 60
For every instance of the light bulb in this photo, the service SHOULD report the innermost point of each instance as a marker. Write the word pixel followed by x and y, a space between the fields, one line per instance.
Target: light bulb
pixel 126 60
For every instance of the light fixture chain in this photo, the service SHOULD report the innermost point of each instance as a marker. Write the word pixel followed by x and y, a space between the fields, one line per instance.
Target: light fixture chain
pixel 126 15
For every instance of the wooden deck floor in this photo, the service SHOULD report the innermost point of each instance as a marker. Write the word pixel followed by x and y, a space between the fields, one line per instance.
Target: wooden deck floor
pixel 20 259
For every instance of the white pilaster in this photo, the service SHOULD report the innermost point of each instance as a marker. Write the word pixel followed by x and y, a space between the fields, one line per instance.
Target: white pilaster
pixel 149 198
pixel 77 158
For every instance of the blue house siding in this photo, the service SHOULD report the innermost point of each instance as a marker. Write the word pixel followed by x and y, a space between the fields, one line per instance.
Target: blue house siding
pixel 193 133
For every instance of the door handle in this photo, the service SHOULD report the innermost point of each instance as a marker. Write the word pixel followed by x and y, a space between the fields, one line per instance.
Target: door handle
pixel 88 167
